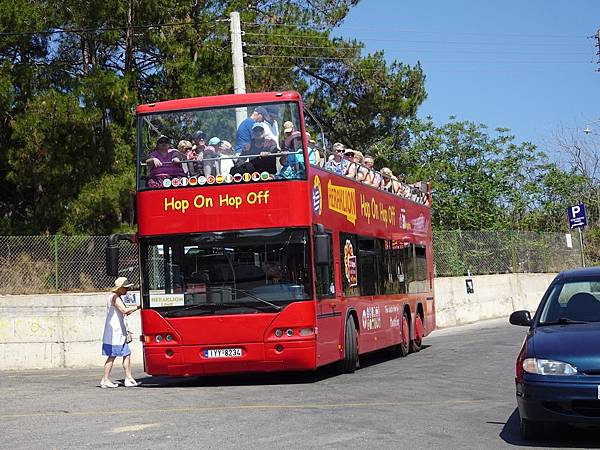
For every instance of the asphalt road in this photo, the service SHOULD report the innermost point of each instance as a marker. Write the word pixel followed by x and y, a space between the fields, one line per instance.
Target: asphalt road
pixel 457 393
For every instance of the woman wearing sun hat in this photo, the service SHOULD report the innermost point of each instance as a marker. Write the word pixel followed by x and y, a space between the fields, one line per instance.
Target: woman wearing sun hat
pixel 114 342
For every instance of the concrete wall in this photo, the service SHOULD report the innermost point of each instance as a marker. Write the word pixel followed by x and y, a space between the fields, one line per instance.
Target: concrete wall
pixel 56 330
pixel 65 330
pixel 494 296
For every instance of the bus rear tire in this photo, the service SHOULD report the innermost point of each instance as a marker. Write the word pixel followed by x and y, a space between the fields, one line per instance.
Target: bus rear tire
pixel 350 361
pixel 402 349
pixel 417 343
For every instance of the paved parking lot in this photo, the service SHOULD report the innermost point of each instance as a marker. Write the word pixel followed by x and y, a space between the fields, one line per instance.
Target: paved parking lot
pixel 456 393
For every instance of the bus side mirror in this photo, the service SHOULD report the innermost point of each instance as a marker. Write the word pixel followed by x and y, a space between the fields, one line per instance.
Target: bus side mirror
pixel 112 256
pixel 322 245
pixel 112 252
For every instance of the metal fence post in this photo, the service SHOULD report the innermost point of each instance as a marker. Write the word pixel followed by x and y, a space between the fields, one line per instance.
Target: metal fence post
pixel 56 283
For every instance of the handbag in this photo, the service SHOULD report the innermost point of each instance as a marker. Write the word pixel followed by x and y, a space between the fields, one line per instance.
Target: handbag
pixel 128 337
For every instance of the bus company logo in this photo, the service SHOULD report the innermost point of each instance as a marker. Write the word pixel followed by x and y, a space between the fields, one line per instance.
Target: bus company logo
pixel 371 318
pixel 317 196
pixel 255 176
pixel 342 200
pixel 184 181
pixel 219 179
pixel 238 177
pixel 264 176
pixel 167 182
pixel 247 177
pixel 193 181
pixel 228 178
pixel 210 179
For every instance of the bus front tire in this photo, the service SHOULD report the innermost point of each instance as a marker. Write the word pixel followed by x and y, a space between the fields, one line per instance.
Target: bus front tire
pixel 350 361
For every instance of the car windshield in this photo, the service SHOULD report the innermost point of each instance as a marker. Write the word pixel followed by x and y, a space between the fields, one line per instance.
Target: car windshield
pixel 572 302
pixel 220 145
pixel 233 272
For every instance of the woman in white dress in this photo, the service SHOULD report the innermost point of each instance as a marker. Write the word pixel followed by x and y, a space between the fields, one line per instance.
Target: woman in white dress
pixel 114 342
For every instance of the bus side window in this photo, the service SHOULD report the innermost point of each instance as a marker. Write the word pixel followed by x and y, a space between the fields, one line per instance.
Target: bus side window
pixel 324 274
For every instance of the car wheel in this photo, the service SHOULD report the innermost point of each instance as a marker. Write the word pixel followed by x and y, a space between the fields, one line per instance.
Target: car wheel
pixel 350 361
pixel 417 342
pixel 531 430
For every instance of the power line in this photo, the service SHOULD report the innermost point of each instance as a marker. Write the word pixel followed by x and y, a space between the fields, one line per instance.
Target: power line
pixel 413 31
pixel 107 29
pixel 340 58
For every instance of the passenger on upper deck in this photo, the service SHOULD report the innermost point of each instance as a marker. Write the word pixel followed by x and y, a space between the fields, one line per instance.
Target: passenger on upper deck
pixel 227 157
pixel 244 131
pixel 338 164
pixel 272 128
pixel 372 177
pixel 354 158
pixel 211 153
pixel 288 129
pixel 197 154
pixel 314 157
pixel 261 147
pixel 390 182
pixel 185 148
pixel 164 162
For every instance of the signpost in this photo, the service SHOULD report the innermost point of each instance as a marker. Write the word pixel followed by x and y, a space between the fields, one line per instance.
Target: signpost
pixel 577 219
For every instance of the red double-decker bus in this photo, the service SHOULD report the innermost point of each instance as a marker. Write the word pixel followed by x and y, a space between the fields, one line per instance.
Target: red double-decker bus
pixel 247 266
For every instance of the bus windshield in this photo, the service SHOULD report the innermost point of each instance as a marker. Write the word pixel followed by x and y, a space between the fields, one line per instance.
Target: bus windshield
pixel 217 145
pixel 234 272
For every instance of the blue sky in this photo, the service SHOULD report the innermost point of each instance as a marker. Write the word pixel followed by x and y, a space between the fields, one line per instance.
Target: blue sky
pixel 527 65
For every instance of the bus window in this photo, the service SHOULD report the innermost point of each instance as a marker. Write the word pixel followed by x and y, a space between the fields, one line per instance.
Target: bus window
pixel 418 280
pixel 324 281
pixel 368 262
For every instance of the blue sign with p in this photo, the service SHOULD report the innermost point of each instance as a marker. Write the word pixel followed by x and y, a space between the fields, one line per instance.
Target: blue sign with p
pixel 576 215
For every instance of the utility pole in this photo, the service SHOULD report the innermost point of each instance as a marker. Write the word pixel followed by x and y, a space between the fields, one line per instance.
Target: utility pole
pixel 237 54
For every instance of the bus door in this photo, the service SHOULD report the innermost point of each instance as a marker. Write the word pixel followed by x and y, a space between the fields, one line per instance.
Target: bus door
pixel 329 315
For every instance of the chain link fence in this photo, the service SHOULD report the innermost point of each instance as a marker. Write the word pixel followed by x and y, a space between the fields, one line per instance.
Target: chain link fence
pixel 458 253
pixel 47 264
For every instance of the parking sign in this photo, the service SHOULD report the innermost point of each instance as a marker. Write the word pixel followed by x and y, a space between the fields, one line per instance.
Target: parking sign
pixel 576 215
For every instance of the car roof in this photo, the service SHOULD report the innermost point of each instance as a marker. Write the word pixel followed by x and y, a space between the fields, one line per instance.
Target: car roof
pixel 581 272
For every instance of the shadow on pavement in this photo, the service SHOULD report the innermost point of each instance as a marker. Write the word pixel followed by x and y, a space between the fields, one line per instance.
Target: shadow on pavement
pixel 558 436
pixel 273 378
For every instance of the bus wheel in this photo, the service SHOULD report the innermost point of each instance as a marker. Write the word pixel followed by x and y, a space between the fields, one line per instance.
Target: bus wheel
pixel 350 361
pixel 403 347
pixel 417 342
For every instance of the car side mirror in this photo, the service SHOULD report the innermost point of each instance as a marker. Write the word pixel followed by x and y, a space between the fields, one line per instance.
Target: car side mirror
pixel 522 318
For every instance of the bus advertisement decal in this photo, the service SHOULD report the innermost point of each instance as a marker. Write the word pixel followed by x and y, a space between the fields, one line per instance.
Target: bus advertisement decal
pixel 350 264
pixel 342 200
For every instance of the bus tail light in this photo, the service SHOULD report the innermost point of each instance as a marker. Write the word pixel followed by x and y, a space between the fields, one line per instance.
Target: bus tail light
pixel 307 332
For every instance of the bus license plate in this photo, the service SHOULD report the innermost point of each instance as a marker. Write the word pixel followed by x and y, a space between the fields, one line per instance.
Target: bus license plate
pixel 223 353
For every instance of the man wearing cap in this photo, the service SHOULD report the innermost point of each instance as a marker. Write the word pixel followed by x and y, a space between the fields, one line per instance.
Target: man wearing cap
pixel 164 162
pixel 244 131
pixel 261 147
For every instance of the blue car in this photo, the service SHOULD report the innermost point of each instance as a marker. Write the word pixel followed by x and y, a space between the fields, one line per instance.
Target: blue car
pixel 558 367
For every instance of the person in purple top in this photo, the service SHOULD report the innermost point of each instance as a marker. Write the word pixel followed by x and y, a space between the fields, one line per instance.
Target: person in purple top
pixel 164 162
pixel 244 131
